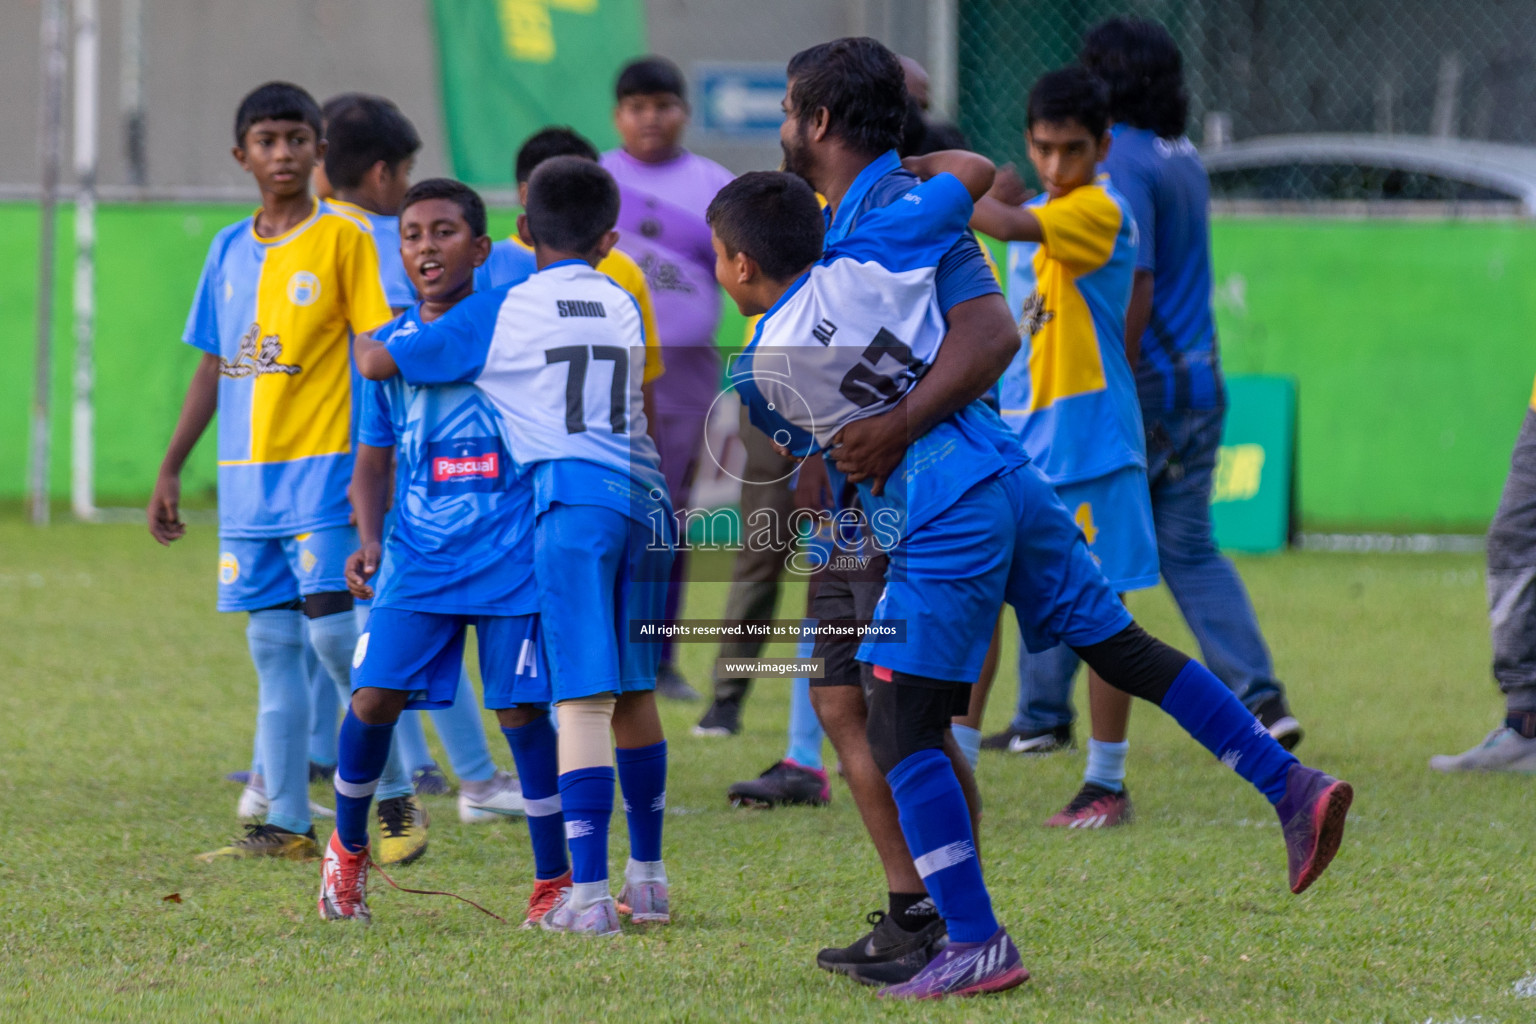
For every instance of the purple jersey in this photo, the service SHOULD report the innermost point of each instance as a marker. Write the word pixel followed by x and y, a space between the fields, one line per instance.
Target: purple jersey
pixel 661 225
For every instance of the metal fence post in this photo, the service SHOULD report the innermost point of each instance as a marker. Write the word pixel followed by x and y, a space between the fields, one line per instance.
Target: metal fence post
pixel 50 144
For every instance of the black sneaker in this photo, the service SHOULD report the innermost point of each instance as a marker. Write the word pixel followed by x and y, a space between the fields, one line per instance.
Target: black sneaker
pixel 784 783
pixel 888 955
pixel 267 841
pixel 721 718
pixel 1275 715
pixel 429 780
pixel 671 684
pixel 1031 741
pixel 321 772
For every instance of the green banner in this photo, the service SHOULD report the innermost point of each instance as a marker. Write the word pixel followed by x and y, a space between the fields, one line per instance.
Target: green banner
pixel 511 67
pixel 1255 468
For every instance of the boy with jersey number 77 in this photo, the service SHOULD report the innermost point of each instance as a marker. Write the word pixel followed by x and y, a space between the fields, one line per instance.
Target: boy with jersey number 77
pixel 561 356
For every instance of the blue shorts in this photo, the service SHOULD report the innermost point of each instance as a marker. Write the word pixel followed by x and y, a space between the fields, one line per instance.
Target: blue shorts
pixel 423 654
pixel 263 572
pixel 1008 538
pixel 597 570
pixel 1114 512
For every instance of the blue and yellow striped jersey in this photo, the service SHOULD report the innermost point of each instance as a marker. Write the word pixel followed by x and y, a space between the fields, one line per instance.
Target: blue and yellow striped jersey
pixel 279 313
pixel 1070 392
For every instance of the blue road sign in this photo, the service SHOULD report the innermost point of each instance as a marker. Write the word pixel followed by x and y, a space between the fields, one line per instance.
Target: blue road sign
pixel 739 99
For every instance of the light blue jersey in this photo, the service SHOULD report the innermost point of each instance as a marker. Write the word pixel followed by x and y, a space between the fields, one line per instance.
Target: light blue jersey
pixel 1070 392
pixel 508 264
pixel 561 357
pixel 852 336
pixel 461 543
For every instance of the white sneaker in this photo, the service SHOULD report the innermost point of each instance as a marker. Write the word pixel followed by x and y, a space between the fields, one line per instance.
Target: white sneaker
pixel 601 917
pixel 254 803
pixel 1502 750
pixel 644 896
pixel 502 798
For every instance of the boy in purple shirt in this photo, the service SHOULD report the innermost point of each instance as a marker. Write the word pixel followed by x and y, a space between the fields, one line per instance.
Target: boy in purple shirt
pixel 665 191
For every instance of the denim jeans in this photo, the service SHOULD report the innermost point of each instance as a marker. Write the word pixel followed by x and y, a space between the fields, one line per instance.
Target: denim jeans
pixel 1512 576
pixel 1181 460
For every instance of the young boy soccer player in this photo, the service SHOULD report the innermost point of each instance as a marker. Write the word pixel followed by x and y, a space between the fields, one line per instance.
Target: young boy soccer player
pixel 1071 395
pixel 982 527
pixel 560 358
pixel 459 554
pixel 370 148
pixel 512 260
pixel 278 295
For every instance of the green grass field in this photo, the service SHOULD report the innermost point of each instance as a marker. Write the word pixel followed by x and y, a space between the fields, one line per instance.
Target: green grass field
pixel 125 698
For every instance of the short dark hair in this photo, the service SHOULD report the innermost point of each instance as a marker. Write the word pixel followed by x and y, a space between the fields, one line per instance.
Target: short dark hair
pixel 914 127
pixel 861 84
pixel 773 217
pixel 276 101
pixel 467 199
pixel 649 76
pixel 1070 94
pixel 547 143
pixel 1144 70
pixel 942 135
pixel 572 203
pixel 361 130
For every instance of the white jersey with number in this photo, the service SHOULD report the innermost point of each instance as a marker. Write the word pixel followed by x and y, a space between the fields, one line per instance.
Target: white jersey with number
pixel 561 356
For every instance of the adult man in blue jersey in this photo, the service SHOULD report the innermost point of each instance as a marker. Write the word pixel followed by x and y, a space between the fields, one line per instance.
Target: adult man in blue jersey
pixel 863 332
pixel 847 89
pixel 1178 370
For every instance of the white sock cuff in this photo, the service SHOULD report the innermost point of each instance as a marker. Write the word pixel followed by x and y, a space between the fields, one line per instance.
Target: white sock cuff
pixel 645 871
pixel 541 807
pixel 355 790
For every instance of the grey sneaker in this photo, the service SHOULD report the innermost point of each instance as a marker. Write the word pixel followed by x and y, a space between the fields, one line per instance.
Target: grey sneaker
pixel 1503 750
pixel 671 684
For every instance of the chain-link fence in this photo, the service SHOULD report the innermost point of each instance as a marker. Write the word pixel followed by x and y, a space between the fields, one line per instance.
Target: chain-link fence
pixel 1264 67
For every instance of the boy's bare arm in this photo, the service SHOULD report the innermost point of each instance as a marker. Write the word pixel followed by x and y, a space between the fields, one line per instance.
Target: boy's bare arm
pixel 975 171
pixel 197 409
pixel 1137 315
pixel 373 360
pixel 372 473
pixel 1006 223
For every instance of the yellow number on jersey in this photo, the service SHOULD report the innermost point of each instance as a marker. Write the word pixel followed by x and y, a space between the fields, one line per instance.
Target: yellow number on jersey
pixel 1084 519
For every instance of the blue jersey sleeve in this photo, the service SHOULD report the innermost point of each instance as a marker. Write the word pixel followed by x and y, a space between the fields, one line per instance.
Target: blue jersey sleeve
pixel 453 348
pixel 376 428
pixel 508 264
pixel 916 230
pixel 202 330
pixel 399 292
pixel 1132 178
pixel 964 274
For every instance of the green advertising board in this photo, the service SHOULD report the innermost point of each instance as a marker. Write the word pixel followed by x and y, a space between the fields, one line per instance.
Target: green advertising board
pixel 510 67
pixel 1255 468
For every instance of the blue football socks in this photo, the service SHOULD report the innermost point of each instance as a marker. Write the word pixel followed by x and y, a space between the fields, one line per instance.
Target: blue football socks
pixel 805 734
pixel 937 825
pixel 969 741
pixel 1106 764
pixel 1209 712
pixel 363 750
pixel 643 781
pixel 586 800
pixel 276 640
pixel 535 751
